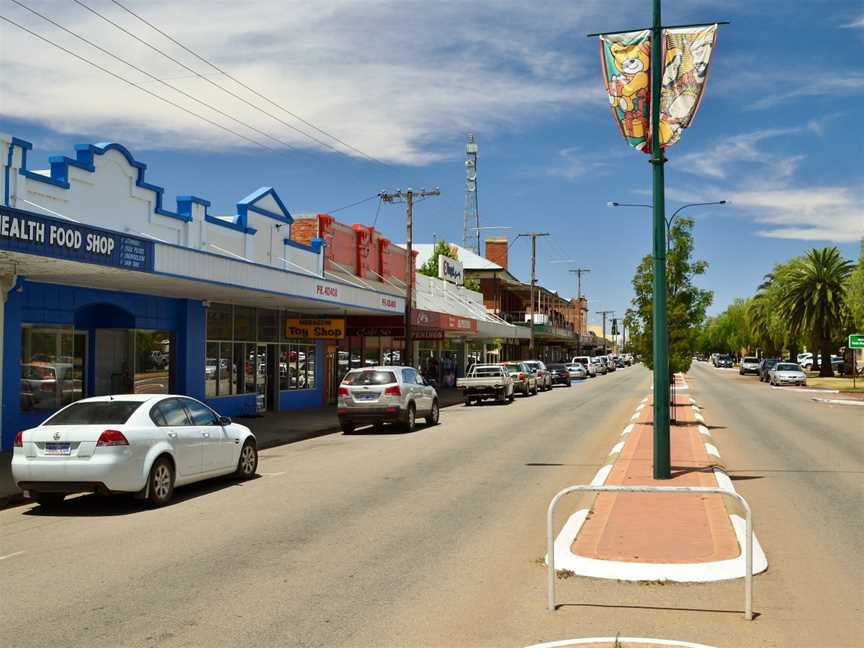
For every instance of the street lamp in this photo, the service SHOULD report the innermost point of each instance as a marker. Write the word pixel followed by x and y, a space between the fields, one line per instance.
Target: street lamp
pixel 671 219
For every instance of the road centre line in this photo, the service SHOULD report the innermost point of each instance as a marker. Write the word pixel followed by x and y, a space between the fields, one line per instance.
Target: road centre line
pixel 704 430
pixel 712 450
pixel 617 448
pixel 630 640
pixel 12 555
pixel 838 401
pixel 627 430
pixel 635 416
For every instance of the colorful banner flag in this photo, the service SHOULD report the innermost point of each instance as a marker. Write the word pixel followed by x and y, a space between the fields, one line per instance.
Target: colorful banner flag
pixel 626 61
pixel 686 52
pixel 627 75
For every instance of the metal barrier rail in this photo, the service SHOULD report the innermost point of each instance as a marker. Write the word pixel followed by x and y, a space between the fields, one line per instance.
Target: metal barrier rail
pixel 748 543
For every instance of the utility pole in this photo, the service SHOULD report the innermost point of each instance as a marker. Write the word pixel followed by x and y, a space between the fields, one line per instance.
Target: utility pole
pixel 408 196
pixel 579 272
pixel 533 236
pixel 604 314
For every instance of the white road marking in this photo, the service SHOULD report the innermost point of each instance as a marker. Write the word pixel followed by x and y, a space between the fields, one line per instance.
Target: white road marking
pixel 621 640
pixel 704 430
pixel 644 400
pixel 694 408
pixel 635 416
pixel 602 474
pixel 641 407
pixel 712 450
pixel 700 418
pixel 627 430
pixel 276 474
pixel 17 553
pixel 693 400
pixel 617 448
pixel 838 401
pixel 805 389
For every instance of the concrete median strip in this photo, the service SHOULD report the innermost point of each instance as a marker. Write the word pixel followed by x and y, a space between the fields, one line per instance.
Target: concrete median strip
pixel 623 641
pixel 614 544
pixel 839 401
pixel 803 390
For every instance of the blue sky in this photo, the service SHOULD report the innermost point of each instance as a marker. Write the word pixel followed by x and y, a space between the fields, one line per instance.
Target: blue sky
pixel 778 133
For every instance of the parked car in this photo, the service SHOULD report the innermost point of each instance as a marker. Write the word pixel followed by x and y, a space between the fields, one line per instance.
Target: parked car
pixel 560 374
pixel 787 373
pixel 749 364
pixel 585 361
pixel 487 381
pixel 619 361
pixel 577 370
pixel 524 381
pixel 600 365
pixel 724 361
pixel 143 444
pixel 544 380
pixel 386 394
pixel 766 365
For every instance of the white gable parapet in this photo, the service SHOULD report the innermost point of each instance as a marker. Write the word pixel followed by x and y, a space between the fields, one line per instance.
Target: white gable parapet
pixel 105 186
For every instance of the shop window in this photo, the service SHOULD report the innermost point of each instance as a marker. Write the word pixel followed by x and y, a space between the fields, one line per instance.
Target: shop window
pixel 244 324
pixel 372 352
pixel 268 325
pixel 220 322
pixel 297 367
pixel 152 362
pixel 52 362
pixel 211 370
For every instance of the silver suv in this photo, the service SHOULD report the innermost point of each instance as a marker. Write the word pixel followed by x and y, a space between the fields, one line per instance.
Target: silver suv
pixel 377 395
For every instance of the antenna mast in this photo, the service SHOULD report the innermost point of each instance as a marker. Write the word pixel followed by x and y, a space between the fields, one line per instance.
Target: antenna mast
pixel 471 235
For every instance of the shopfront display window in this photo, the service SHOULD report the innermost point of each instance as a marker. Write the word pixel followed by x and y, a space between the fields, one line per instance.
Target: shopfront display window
pixel 52 367
pixel 152 362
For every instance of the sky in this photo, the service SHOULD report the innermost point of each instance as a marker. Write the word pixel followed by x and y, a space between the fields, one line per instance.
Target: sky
pixel 402 83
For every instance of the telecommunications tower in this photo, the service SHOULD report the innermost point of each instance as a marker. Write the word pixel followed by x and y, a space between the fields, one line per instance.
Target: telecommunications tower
pixel 471 236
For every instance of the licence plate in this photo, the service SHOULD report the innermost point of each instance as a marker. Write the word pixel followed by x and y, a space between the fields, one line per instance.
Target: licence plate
pixel 365 397
pixel 58 449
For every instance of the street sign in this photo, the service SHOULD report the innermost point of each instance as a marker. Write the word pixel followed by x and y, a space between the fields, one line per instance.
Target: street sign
pixel 856 341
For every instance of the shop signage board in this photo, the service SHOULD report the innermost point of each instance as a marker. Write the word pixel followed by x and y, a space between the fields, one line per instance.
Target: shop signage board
pixel 22 231
pixel 315 329
pixel 856 341
pixel 450 270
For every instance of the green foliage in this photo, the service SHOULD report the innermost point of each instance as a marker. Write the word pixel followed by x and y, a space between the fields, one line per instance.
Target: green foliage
pixel 728 332
pixel 855 295
pixel 687 303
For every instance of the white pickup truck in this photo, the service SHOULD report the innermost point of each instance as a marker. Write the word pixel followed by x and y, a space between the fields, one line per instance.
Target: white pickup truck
pixel 490 381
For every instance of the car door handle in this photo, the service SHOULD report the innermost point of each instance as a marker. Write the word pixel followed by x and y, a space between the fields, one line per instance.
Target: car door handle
pixel 205 434
pixel 173 435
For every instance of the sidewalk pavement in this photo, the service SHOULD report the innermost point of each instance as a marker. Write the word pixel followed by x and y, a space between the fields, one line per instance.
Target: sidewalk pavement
pixel 270 429
pixel 659 527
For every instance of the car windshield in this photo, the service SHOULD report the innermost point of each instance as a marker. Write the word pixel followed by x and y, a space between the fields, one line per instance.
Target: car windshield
pixel 95 413
pixel 556 367
pixel 787 366
pixel 370 378
pixel 751 360
pixel 513 367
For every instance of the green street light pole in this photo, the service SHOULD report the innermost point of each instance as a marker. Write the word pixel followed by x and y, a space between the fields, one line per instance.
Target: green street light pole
pixel 662 458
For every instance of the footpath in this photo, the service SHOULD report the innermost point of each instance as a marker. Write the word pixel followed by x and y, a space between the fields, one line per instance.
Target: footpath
pixel 270 429
pixel 682 537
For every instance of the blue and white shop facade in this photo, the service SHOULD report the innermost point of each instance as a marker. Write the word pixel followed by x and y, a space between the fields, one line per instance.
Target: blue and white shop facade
pixel 106 290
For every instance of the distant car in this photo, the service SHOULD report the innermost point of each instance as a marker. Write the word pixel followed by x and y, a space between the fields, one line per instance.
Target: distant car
pixel 577 370
pixel 560 374
pixel 610 363
pixel 600 364
pixel 387 394
pixel 749 364
pixel 724 361
pixel 787 373
pixel 544 380
pixel 133 443
pixel 766 365
pixel 585 361
pixel 524 380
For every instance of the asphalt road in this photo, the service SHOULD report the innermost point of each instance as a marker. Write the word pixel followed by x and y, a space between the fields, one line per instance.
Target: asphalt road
pixel 437 538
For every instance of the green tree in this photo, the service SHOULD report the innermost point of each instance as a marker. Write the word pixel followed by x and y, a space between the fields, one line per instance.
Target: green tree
pixel 815 299
pixel 687 303
pixel 772 327
pixel 855 294
pixel 430 268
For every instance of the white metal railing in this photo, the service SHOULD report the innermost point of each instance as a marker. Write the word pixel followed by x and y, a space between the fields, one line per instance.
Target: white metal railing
pixel 748 541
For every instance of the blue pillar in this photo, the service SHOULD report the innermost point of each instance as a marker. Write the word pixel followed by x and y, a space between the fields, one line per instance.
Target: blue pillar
pixel 189 340
pixel 11 366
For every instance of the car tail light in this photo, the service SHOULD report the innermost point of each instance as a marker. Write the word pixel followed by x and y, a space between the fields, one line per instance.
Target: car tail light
pixel 19 439
pixel 343 391
pixel 393 390
pixel 111 438
pixel 521 376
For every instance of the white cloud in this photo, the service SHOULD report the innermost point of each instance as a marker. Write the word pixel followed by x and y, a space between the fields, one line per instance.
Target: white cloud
pixel 398 79
pixel 858 23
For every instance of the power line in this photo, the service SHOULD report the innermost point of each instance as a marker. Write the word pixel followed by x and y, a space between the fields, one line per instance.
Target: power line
pixel 239 82
pixel 354 204
pixel 151 76
pixel 139 87
pixel 203 77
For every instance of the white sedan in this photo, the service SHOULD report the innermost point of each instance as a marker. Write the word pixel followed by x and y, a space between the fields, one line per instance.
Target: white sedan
pixel 145 444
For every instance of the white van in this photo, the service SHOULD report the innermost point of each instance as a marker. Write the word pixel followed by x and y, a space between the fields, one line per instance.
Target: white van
pixel 589 365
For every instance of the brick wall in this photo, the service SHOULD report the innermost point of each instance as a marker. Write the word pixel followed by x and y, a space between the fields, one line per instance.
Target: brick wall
pixel 496 250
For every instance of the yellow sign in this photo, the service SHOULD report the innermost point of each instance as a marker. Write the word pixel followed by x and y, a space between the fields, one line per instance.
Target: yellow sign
pixel 315 329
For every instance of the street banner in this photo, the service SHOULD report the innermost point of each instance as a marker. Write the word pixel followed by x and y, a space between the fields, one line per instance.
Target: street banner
pixel 627 75
pixel 626 63
pixel 686 54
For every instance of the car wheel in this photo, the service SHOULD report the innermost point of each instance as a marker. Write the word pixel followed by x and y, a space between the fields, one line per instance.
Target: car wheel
pixel 347 428
pixel 432 419
pixel 410 418
pixel 468 402
pixel 568 384
pixel 525 391
pixel 535 392
pixel 247 464
pixel 510 398
pixel 49 500
pixel 161 484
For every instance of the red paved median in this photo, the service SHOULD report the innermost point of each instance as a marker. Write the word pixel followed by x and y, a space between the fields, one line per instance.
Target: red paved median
pixel 660 527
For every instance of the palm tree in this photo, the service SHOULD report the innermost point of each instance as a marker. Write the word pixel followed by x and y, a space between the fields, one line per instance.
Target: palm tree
pixel 814 298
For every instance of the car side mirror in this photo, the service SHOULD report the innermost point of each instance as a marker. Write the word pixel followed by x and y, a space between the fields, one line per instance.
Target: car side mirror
pixel 224 421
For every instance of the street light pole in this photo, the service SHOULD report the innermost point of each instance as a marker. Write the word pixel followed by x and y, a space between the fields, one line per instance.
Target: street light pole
pixel 533 236
pixel 408 196
pixel 604 314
